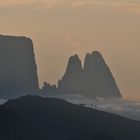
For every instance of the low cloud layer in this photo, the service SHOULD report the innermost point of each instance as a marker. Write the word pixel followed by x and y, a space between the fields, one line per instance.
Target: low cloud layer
pixel 128 109
pixel 2 101
pixel 120 107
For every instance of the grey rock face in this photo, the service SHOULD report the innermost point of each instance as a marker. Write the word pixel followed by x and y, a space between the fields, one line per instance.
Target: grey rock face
pixel 98 79
pixel 18 70
pixel 49 89
pixel 71 81
pixel 94 80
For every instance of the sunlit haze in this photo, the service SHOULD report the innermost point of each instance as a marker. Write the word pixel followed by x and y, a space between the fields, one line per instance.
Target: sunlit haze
pixel 61 28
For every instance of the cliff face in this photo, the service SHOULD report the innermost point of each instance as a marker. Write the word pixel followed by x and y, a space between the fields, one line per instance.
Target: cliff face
pixel 18 72
pixel 94 80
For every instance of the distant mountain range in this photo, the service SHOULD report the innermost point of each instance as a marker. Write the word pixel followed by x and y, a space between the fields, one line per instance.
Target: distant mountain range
pixel 18 73
pixel 93 80
pixel 38 118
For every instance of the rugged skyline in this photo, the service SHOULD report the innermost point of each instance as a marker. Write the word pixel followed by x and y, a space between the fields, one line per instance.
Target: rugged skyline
pixel 61 28
pixel 93 80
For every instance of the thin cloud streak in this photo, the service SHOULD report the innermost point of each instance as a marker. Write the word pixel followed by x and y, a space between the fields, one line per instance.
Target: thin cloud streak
pixel 131 7
pixel 128 6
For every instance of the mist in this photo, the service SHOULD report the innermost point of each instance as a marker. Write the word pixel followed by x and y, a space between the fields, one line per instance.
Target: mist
pixel 122 107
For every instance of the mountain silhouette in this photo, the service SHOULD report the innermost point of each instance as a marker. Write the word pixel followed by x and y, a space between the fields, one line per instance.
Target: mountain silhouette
pixel 34 117
pixel 71 81
pixel 18 72
pixel 94 79
pixel 49 89
pixel 98 78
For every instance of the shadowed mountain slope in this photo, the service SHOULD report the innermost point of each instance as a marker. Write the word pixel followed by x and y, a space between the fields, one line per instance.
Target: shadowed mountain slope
pixel 51 119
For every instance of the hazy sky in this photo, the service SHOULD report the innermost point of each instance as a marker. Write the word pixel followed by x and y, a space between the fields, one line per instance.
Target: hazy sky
pixel 60 28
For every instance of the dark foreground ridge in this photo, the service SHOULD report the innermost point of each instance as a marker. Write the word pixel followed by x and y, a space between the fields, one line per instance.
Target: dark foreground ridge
pixel 18 70
pixel 93 80
pixel 38 118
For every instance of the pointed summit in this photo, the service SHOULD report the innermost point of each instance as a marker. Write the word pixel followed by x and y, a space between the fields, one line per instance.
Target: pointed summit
pixel 97 53
pixel 94 80
pixel 93 60
pixel 98 78
pixel 74 65
pixel 70 82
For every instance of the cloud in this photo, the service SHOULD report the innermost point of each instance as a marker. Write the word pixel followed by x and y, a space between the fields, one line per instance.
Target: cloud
pixel 126 5
pixel 88 2
pixel 20 2
pixel 131 7
pixel 13 2
pixel 128 109
pixel 2 101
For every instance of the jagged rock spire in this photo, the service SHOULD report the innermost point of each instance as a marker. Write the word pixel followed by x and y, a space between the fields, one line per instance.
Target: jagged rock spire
pixel 98 79
pixel 71 80
pixel 94 80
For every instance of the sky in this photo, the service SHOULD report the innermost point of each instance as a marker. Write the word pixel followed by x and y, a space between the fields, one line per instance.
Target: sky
pixel 61 28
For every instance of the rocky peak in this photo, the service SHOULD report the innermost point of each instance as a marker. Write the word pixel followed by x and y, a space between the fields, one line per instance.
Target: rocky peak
pixel 70 82
pixel 94 80
pixel 74 65
pixel 93 61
